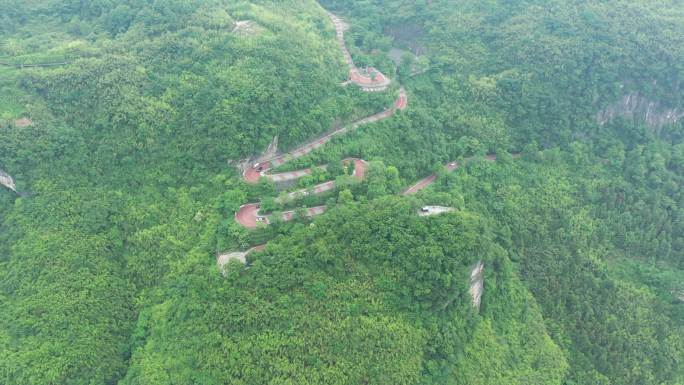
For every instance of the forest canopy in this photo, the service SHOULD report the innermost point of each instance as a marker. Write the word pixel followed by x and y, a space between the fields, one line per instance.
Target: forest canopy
pixel 126 126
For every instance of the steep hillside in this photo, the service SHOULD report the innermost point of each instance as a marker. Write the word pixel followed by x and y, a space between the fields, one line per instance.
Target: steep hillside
pixel 489 208
pixel 126 154
pixel 370 293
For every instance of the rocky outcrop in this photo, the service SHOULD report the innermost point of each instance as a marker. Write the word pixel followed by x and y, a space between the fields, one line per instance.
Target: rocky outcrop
pixel 271 150
pixel 246 27
pixel 7 181
pixel 476 284
pixel 634 106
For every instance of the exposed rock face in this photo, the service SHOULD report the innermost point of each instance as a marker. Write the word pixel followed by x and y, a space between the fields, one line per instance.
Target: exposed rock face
pixel 476 283
pixel 636 107
pixel 246 27
pixel 7 181
pixel 409 35
pixel 271 150
pixel 678 294
pixel 246 164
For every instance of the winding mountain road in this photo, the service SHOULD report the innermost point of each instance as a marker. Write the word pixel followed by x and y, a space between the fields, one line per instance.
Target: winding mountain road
pixel 428 180
pixel 255 171
pixel 369 79
pixel 359 173
pixel 248 215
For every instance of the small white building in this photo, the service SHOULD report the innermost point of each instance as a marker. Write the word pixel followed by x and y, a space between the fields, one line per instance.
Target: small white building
pixel 434 210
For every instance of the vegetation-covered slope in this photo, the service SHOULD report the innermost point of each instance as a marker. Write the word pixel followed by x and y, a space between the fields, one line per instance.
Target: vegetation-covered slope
pixel 127 151
pixel 371 293
pixel 107 271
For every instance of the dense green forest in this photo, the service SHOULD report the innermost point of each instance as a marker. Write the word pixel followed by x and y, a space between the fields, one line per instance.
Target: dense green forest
pixel 139 113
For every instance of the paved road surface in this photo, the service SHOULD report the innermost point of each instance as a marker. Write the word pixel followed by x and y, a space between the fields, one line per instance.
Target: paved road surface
pixel 309 212
pixel 359 173
pixel 376 81
pixel 451 166
pixel 254 171
pixel 248 215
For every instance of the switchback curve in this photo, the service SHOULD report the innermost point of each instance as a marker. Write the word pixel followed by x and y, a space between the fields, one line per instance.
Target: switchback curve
pixel 369 79
pixel 253 172
pixel 248 214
